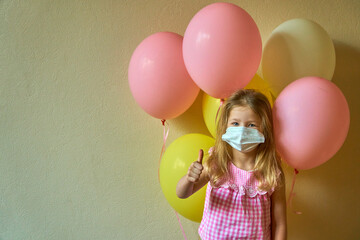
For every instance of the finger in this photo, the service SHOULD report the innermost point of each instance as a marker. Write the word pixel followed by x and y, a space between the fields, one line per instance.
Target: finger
pixel 198 166
pixel 194 175
pixel 196 170
pixel 201 155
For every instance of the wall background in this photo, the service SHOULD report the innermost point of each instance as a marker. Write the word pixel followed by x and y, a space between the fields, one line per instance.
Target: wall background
pixel 78 156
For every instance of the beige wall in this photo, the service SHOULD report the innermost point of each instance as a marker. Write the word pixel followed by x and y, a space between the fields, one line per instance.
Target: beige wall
pixel 78 156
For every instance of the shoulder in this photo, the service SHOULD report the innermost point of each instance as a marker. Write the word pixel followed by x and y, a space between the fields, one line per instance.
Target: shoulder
pixel 279 191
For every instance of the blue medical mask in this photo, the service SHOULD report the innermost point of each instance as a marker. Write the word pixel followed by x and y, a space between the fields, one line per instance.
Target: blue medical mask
pixel 242 138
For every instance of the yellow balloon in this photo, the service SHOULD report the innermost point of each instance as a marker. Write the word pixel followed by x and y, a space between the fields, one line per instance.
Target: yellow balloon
pixel 262 86
pixel 175 164
pixel 210 105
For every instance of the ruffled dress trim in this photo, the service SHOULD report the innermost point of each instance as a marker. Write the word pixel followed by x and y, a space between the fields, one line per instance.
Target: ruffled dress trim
pixel 244 190
pixel 243 182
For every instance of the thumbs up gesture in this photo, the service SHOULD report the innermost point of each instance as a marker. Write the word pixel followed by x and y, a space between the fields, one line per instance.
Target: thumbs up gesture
pixel 196 169
pixel 194 180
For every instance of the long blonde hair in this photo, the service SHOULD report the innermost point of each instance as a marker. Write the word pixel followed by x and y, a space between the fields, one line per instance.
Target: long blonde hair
pixel 267 162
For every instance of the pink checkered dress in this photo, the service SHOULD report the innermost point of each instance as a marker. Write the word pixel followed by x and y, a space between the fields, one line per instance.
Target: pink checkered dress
pixel 236 209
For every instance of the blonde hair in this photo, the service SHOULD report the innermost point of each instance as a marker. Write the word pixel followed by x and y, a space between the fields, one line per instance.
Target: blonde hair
pixel 267 162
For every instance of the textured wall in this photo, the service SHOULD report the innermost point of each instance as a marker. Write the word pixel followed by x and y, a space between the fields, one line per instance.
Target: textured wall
pixel 78 156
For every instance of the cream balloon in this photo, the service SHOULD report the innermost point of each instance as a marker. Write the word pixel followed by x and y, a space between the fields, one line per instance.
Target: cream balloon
pixel 297 48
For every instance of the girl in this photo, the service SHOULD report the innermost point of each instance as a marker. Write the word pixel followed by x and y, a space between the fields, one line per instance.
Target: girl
pixel 246 195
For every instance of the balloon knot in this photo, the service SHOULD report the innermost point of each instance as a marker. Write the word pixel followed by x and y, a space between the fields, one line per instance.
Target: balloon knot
pixel 163 121
pixel 296 171
pixel 222 101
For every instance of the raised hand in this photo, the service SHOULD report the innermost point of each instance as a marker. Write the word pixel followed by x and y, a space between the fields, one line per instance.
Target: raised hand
pixel 196 169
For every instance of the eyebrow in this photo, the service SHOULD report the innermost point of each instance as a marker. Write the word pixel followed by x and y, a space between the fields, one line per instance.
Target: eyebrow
pixel 236 119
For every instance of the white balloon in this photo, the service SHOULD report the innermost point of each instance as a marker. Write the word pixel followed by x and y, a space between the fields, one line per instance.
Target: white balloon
pixel 297 48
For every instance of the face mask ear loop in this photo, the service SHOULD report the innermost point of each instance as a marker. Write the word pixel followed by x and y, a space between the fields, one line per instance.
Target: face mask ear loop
pixel 292 194
pixel 217 113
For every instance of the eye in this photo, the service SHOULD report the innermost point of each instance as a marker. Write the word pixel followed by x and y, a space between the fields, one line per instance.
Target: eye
pixel 251 125
pixel 235 123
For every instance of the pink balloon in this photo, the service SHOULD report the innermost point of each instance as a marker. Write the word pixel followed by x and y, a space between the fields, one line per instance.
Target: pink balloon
pixel 158 77
pixel 311 122
pixel 222 49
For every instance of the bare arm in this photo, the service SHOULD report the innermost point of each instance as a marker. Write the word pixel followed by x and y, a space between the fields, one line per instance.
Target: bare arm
pixel 278 213
pixel 194 180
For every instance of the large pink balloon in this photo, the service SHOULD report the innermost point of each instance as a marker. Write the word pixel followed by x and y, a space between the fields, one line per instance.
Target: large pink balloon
pixel 311 122
pixel 158 77
pixel 222 49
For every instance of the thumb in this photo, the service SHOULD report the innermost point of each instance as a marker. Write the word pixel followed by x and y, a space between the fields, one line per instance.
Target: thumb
pixel 200 158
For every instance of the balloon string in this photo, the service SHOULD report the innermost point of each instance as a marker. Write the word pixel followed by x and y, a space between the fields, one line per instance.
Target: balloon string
pixel 217 113
pixel 182 229
pixel 165 136
pixel 292 194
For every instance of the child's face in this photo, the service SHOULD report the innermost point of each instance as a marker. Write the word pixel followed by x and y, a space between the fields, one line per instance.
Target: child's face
pixel 244 117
